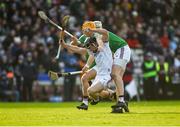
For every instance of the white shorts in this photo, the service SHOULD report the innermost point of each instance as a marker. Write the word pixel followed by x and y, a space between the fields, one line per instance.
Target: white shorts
pixel 106 71
pixel 103 79
pixel 122 56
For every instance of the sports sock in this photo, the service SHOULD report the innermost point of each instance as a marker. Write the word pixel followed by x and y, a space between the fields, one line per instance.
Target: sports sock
pixel 85 100
pixel 121 98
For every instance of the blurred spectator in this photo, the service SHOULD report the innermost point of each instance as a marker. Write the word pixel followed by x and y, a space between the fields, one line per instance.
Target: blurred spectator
pixel 176 77
pixel 128 73
pixel 3 85
pixel 163 77
pixel 8 90
pixel 128 77
pixel 149 77
pixel 18 75
pixel 71 64
pixel 29 73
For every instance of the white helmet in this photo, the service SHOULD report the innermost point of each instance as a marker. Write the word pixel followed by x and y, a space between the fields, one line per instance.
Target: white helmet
pixel 98 24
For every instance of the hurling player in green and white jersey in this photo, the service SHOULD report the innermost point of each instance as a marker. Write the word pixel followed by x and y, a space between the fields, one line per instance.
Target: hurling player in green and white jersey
pixel 121 57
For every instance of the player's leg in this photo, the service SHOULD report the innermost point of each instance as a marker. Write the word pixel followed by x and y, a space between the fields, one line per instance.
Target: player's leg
pixel 117 74
pixel 108 94
pixel 99 85
pixel 85 81
pixel 121 58
pixel 86 77
pixel 94 91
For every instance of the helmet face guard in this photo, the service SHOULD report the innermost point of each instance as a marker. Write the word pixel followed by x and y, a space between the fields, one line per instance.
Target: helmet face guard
pixel 91 41
pixel 87 46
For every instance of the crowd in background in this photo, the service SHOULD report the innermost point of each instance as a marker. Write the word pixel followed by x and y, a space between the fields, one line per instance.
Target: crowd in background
pixel 28 45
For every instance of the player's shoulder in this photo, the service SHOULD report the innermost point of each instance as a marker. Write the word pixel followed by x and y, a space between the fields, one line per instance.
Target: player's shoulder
pixel 111 33
pixel 114 36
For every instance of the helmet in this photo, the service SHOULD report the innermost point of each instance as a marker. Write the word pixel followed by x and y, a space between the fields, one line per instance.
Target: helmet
pixel 88 24
pixel 89 41
pixel 98 24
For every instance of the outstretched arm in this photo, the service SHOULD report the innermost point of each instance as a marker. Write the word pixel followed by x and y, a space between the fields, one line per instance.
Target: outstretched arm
pixel 101 31
pixel 74 41
pixel 88 63
pixel 90 60
pixel 78 42
pixel 100 42
pixel 102 36
pixel 73 48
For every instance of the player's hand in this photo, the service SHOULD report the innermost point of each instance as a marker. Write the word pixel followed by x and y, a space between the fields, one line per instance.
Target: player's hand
pixel 74 39
pixel 85 68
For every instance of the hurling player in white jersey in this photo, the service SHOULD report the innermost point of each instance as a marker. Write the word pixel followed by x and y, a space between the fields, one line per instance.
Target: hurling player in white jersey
pixel 103 67
pixel 101 53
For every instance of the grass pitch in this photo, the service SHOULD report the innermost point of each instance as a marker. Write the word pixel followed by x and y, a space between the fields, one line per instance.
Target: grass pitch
pixel 159 113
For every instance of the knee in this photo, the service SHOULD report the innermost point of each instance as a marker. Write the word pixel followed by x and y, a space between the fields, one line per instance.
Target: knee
pixel 91 91
pixel 84 78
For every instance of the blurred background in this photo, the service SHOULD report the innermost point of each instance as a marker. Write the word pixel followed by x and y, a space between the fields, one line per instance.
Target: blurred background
pixel 28 46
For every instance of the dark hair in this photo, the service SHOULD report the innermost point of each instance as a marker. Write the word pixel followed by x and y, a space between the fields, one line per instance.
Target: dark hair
pixel 89 41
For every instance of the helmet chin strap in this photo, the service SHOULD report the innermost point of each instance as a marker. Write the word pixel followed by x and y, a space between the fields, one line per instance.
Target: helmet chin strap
pixel 95 51
pixel 96 47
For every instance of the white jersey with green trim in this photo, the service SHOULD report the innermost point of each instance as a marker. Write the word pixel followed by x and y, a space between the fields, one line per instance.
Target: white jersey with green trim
pixel 103 60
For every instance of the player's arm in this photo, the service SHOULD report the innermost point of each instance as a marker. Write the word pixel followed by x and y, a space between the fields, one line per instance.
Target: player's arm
pixel 101 37
pixel 88 63
pixel 101 31
pixel 90 60
pixel 74 41
pixel 100 42
pixel 78 42
pixel 73 48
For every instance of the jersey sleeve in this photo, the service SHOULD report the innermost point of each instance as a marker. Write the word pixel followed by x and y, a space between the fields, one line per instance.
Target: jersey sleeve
pixel 82 39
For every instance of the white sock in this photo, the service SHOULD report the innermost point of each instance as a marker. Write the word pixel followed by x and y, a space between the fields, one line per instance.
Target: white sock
pixel 121 99
pixel 85 101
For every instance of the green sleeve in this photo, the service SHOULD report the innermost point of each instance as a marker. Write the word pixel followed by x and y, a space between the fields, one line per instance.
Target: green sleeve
pixel 115 42
pixel 81 40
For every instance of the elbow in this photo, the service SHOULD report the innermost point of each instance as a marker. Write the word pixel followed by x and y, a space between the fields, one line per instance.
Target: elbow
pixel 105 32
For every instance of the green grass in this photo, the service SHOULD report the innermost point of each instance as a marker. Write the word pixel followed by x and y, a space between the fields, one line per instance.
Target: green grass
pixel 162 113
